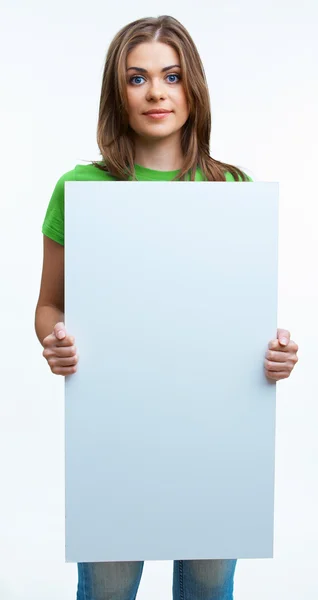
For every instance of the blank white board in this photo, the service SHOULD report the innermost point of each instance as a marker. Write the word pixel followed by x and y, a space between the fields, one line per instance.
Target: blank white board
pixel 171 294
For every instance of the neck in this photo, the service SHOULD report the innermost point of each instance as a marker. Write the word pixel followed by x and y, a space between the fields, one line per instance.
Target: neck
pixel 160 155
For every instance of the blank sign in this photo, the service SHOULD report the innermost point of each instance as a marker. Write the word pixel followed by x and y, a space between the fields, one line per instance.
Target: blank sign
pixel 171 294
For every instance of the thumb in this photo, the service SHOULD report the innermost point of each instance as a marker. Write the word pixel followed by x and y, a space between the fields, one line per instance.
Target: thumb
pixel 283 336
pixel 59 331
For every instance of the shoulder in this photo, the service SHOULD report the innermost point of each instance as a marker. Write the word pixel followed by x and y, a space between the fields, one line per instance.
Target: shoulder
pixel 79 173
pixel 91 172
pixel 69 176
pixel 87 172
pixel 53 224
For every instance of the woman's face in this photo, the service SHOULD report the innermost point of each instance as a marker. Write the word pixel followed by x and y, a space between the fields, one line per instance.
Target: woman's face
pixel 152 86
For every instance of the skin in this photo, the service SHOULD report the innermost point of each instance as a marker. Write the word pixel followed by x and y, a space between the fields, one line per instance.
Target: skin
pixel 158 146
pixel 281 356
pixel 157 141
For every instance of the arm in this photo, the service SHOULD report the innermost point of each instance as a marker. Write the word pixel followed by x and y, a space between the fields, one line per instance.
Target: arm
pixel 50 306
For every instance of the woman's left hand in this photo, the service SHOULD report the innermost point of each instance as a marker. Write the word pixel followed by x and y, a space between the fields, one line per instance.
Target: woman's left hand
pixel 281 356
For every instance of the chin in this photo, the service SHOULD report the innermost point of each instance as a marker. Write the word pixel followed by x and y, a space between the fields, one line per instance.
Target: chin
pixel 156 132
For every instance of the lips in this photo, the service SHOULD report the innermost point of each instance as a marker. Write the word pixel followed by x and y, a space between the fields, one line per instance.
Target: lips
pixel 158 111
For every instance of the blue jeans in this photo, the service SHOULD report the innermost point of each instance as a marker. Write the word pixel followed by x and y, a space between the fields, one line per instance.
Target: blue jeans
pixel 192 580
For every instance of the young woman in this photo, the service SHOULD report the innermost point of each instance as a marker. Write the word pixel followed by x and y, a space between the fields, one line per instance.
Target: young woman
pixel 154 124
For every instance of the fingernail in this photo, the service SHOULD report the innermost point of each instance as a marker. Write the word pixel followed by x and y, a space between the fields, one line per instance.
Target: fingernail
pixel 284 341
pixel 60 334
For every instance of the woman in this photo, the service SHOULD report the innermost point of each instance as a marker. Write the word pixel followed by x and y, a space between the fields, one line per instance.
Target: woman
pixel 152 66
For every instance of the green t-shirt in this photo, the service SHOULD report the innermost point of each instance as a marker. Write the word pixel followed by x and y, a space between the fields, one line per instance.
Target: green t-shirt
pixel 53 224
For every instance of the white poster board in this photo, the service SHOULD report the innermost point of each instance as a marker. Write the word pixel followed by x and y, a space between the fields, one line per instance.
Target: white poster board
pixel 171 294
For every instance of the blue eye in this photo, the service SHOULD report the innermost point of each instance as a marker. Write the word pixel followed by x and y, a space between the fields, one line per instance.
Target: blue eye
pixel 173 75
pixel 135 77
pixel 131 80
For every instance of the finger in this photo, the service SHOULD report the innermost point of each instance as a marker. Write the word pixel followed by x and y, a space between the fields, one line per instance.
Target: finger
pixel 68 341
pixel 275 345
pixel 51 341
pixel 274 366
pixel 54 352
pixel 63 362
pixel 64 370
pixel 283 336
pixel 293 346
pixel 275 356
pixel 66 351
pixel 59 331
pixel 278 375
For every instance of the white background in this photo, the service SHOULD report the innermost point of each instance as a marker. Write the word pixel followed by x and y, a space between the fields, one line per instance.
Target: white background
pixel 261 65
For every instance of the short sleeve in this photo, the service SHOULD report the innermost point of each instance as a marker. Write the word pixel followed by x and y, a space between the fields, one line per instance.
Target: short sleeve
pixel 53 224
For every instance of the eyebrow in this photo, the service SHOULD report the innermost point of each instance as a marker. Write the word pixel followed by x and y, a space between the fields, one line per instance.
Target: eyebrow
pixel 140 70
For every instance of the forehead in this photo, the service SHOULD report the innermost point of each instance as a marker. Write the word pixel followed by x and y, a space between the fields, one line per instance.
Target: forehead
pixel 152 55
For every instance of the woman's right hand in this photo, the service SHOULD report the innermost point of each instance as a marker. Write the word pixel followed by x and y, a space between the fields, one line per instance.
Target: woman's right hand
pixel 60 352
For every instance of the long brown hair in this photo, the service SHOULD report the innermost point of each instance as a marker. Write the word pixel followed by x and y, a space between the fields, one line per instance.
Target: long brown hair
pixel 114 137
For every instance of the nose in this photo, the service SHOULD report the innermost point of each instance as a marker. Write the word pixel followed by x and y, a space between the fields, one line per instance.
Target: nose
pixel 156 91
